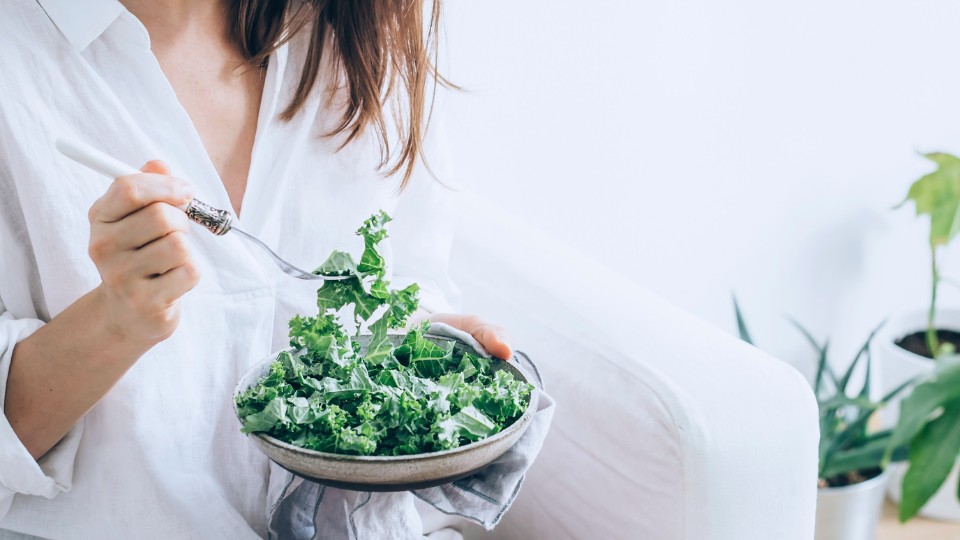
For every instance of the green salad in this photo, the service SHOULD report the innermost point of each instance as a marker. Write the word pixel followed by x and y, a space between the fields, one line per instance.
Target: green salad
pixel 412 397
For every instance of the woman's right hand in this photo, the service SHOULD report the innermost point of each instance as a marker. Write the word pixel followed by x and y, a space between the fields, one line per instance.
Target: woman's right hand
pixel 138 242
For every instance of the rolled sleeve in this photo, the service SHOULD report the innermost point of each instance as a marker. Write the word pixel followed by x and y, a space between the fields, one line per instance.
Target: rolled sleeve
pixel 19 472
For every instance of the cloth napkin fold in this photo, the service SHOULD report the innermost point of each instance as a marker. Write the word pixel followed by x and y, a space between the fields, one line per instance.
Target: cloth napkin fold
pixel 306 510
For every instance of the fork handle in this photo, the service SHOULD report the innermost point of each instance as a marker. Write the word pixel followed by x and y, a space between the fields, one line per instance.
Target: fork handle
pixel 215 220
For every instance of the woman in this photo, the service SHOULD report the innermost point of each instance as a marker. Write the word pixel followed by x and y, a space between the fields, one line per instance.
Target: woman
pixel 123 327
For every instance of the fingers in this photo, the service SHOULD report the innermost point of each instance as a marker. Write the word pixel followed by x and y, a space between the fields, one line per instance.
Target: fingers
pixel 160 256
pixel 154 259
pixel 129 194
pixel 135 211
pixel 156 166
pixel 110 240
pixel 493 338
pixel 138 240
pixel 146 225
pixel 149 307
pixel 494 341
pixel 151 295
pixel 176 282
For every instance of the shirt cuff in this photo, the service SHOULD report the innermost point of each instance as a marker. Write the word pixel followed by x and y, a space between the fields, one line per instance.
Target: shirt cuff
pixel 19 472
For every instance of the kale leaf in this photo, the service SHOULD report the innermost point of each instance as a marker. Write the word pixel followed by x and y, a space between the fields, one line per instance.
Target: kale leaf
pixel 419 396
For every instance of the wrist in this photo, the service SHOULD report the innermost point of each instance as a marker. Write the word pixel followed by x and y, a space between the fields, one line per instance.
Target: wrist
pixel 112 329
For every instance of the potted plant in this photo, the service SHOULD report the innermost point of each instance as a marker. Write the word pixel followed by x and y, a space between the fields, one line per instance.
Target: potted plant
pixel 853 457
pixel 929 424
pixel 910 344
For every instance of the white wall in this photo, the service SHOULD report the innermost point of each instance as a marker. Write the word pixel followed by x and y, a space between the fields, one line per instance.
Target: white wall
pixel 703 146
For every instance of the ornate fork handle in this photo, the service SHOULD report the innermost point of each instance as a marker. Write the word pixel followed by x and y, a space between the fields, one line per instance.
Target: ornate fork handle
pixel 213 219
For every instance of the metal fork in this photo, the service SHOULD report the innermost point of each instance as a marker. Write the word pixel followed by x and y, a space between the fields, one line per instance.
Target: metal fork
pixel 215 220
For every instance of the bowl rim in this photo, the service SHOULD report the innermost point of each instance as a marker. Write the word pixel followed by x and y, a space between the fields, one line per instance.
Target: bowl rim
pixel 533 401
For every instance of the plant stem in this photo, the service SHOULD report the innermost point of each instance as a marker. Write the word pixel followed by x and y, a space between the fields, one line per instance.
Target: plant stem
pixel 932 342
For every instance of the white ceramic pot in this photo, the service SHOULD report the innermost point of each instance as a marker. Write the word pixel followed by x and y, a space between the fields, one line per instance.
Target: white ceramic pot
pixel 894 366
pixel 850 512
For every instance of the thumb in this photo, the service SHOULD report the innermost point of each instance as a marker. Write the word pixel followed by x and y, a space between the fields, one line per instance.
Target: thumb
pixel 156 167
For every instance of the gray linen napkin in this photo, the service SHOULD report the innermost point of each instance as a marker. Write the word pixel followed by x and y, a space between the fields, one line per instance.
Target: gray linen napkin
pixel 306 510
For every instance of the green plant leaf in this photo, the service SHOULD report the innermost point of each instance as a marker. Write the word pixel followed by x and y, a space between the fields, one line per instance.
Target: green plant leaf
pixel 849 434
pixel 271 415
pixel 469 424
pixel 845 379
pixel 373 232
pixel 321 336
pixel 938 195
pixel 893 393
pixel 868 456
pixel 840 401
pixel 403 303
pixel 741 325
pixel 338 264
pixel 837 437
pixel 865 390
pixel 426 357
pixel 823 366
pixel 366 289
pixel 932 455
pixel 380 348
pixel 336 294
pixel 938 389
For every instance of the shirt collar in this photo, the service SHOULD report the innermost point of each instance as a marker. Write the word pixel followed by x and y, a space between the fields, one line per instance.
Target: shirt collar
pixel 83 21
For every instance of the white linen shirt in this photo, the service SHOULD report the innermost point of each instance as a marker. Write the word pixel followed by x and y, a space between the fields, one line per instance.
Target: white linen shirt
pixel 161 455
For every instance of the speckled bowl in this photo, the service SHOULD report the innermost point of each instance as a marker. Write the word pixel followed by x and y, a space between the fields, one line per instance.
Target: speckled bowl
pixel 390 473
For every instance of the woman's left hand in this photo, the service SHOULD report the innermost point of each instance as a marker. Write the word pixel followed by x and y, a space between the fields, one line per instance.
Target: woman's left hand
pixel 493 338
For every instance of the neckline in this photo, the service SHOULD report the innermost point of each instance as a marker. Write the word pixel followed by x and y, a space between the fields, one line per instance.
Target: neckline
pixel 210 184
pixel 269 98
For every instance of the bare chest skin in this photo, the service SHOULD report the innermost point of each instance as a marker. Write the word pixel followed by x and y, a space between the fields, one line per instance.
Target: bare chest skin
pixel 222 98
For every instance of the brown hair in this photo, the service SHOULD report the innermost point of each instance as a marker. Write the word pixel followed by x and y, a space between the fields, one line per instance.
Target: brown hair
pixel 377 46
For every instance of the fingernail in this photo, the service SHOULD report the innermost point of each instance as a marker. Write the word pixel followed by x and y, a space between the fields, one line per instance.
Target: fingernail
pixel 506 343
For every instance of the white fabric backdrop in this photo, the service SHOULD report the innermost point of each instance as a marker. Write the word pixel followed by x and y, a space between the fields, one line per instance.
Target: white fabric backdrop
pixel 701 147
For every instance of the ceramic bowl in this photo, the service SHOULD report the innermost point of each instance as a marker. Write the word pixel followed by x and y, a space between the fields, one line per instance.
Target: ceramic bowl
pixel 390 473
